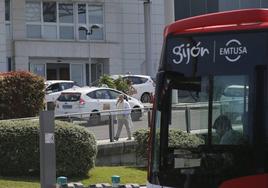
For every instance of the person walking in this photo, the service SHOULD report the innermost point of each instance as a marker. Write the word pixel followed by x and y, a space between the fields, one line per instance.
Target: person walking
pixel 130 90
pixel 123 116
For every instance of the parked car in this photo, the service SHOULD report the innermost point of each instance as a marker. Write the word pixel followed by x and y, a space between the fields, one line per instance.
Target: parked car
pixel 144 85
pixel 233 99
pixel 94 99
pixel 53 88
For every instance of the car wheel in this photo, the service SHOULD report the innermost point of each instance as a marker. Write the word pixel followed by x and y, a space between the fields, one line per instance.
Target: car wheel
pixel 145 98
pixel 135 114
pixel 94 119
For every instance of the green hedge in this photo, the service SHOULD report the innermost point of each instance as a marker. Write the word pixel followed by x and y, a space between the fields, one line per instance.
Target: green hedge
pixel 76 148
pixel 21 94
pixel 177 138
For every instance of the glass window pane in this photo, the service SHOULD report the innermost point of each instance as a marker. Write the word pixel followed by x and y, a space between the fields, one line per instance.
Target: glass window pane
pixel 49 12
pixel 82 13
pixel 8 31
pixel 77 73
pixel 50 32
pixel 230 96
pixel 66 12
pixel 7 10
pixel 97 34
pixel 82 35
pixel 33 12
pixel 95 14
pixel 66 32
pixel 33 31
pixel 9 64
pixel 38 69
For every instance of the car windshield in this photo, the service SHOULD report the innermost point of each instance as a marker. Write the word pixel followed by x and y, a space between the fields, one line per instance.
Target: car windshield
pixel 69 97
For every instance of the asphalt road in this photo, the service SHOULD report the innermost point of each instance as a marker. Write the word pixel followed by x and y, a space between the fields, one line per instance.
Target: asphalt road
pixel 198 120
pixel 102 131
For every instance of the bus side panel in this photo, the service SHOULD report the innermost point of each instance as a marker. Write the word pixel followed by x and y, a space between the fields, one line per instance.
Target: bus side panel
pixel 258 181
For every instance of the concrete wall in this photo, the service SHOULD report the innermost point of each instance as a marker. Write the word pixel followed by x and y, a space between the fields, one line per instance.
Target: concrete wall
pixel 119 153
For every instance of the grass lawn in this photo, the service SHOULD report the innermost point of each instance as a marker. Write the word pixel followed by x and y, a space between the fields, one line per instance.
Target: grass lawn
pixel 96 175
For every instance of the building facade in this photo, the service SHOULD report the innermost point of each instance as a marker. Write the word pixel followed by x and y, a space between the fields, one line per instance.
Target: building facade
pixel 188 8
pixel 53 38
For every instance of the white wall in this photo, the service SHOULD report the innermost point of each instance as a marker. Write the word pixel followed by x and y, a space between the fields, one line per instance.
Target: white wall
pixel 123 44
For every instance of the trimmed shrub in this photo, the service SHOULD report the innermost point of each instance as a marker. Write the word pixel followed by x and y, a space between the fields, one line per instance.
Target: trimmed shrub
pixel 21 94
pixel 76 148
pixel 106 80
pixel 119 83
pixel 142 138
pixel 177 138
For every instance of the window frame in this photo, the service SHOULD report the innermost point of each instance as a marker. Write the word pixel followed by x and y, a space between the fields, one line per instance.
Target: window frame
pixel 75 24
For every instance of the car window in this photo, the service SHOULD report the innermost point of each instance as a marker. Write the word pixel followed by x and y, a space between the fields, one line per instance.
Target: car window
pixel 92 95
pixel 103 94
pixel 64 86
pixel 143 80
pixel 69 97
pixel 133 79
pixel 53 88
pixel 114 94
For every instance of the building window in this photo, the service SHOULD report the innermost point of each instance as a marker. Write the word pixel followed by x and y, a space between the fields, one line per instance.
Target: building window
pixel 7 10
pixel 7 18
pixel 9 64
pixel 66 20
pixel 33 19
pixel 89 15
pixel 33 31
pixel 57 20
pixel 49 12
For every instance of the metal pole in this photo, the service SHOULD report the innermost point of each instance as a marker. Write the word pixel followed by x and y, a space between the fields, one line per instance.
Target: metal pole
pixel 47 150
pixel 169 11
pixel 149 117
pixel 188 119
pixel 148 38
pixel 111 127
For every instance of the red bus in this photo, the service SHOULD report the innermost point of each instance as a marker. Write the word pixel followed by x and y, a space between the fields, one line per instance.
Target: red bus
pixel 212 89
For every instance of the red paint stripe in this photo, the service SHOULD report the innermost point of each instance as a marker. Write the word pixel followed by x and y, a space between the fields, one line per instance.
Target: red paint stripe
pixel 245 19
pixel 257 181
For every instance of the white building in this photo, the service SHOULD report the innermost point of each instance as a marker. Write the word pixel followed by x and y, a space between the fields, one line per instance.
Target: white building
pixel 43 36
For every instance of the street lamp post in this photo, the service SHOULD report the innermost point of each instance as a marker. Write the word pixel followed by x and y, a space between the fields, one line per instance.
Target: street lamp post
pixel 148 38
pixel 89 31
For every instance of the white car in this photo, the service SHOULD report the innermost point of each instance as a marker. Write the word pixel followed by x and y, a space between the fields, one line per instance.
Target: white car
pixel 94 99
pixel 55 87
pixel 144 85
pixel 233 99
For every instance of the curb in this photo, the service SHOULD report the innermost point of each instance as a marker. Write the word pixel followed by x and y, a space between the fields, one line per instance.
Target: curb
pixel 102 185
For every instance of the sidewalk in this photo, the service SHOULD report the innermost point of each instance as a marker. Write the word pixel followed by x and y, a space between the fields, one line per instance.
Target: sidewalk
pixel 107 141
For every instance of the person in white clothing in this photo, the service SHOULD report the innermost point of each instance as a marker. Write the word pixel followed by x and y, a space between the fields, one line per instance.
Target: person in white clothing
pixel 123 116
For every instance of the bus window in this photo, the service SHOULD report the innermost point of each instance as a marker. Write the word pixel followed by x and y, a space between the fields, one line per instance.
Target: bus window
pixel 190 114
pixel 230 106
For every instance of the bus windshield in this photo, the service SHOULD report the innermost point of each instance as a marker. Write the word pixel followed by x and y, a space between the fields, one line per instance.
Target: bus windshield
pixel 196 124
pixel 191 113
